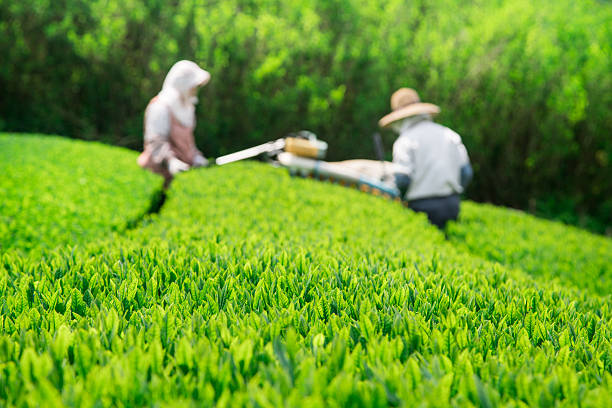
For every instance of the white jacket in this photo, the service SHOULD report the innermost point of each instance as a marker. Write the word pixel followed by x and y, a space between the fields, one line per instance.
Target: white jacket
pixel 432 155
pixel 174 101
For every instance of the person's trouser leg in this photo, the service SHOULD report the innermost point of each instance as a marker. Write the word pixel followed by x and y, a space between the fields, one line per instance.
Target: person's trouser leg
pixel 439 210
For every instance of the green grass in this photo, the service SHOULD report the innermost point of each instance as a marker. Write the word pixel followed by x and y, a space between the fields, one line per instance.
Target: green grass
pixel 61 192
pixel 251 288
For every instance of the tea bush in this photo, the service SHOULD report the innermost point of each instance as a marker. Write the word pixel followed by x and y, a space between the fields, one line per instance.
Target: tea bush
pixel 543 248
pixel 57 192
pixel 251 288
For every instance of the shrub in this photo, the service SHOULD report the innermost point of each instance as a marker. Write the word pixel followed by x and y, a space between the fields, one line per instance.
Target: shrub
pixel 57 192
pixel 548 250
pixel 252 288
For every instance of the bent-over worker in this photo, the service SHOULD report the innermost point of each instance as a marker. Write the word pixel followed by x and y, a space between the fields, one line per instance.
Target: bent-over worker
pixel 169 144
pixel 432 167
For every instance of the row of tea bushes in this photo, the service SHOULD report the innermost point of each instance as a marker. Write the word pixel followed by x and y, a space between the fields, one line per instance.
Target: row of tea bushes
pixel 545 249
pixel 254 289
pixel 59 192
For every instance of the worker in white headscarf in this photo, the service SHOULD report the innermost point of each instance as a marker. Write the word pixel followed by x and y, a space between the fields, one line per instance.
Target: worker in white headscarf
pixel 169 144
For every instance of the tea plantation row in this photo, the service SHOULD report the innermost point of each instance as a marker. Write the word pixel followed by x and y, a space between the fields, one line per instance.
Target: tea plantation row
pixel 542 248
pixel 57 191
pixel 251 288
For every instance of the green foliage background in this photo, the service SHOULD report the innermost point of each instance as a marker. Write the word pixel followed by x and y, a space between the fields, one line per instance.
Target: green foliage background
pixel 526 83
pixel 252 288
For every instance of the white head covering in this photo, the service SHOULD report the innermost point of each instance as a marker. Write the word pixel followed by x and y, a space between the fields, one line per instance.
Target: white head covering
pixel 181 79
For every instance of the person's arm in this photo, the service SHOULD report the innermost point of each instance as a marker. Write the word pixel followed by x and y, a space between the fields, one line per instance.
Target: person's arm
pixel 157 136
pixel 403 160
pixel 465 173
pixel 157 132
pixel 465 168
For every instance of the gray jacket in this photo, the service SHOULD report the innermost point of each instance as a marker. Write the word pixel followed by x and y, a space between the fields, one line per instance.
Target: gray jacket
pixel 431 160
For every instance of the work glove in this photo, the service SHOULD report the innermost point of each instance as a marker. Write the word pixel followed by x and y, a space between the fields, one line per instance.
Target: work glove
pixel 176 166
pixel 200 161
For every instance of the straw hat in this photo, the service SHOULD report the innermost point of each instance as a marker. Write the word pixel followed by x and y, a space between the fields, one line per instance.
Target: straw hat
pixel 405 102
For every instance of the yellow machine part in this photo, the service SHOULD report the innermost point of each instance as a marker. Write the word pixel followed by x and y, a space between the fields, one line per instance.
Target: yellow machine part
pixel 302 147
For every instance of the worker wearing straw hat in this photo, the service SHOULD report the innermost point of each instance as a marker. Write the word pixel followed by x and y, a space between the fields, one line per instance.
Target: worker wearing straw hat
pixel 435 167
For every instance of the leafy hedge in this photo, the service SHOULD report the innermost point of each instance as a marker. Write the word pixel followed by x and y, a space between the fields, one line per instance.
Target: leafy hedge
pixel 542 248
pixel 57 192
pixel 252 288
pixel 526 83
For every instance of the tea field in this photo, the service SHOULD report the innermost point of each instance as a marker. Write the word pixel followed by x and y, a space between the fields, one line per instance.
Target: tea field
pixel 541 248
pixel 251 288
pixel 57 191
